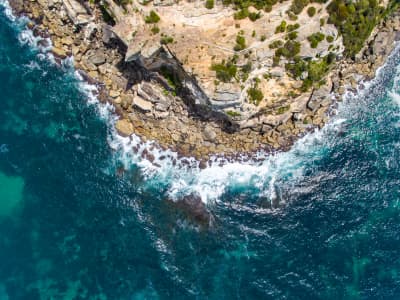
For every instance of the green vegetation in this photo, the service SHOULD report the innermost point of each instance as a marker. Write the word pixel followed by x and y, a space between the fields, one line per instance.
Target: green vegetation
pixel 166 40
pixel 233 113
pixel 281 110
pixel 253 16
pixel 311 11
pixel 315 39
pixel 276 44
pixel 209 4
pixel 107 17
pixel 171 77
pixel 321 22
pixel 281 27
pixel 240 43
pixel 225 71
pixel 313 70
pixel 155 29
pixel 152 18
pixel 292 27
pixel 355 20
pixel 123 3
pixel 298 5
pixel 292 35
pixel 241 14
pixel 330 39
pixel 263 38
pixel 289 50
pixel 255 94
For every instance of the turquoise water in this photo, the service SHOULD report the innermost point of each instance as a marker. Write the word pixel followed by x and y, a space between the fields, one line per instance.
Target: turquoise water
pixel 319 222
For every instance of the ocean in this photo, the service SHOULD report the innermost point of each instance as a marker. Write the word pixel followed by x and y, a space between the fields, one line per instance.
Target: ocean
pixel 82 216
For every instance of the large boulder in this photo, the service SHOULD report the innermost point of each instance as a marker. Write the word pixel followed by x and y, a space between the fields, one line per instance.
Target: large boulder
pixel 77 13
pixel 124 127
pixel 142 104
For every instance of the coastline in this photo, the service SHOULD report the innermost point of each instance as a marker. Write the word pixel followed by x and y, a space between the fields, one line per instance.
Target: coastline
pixel 183 131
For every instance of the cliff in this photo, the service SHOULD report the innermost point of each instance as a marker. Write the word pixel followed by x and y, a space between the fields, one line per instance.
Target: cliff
pixel 206 79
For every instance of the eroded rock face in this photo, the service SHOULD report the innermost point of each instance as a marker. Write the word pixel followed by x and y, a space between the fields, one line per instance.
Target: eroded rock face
pixel 77 12
pixel 143 105
pixel 124 127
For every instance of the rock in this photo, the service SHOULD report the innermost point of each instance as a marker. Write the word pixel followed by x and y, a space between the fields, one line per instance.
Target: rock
pixel 114 94
pixel 59 52
pixel 124 127
pixel 76 12
pixel 142 104
pixel 107 34
pixel 209 134
pixel 97 58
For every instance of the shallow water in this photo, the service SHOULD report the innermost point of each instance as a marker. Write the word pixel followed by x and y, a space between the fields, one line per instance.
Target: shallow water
pixel 319 222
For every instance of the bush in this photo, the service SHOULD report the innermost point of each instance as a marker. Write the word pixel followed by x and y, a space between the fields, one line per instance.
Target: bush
pixel 255 95
pixel 315 39
pixel 155 29
pixel 289 50
pixel 292 27
pixel 166 40
pixel 298 5
pixel 330 39
pixel 225 72
pixel 241 14
pixel 311 11
pixel 254 16
pixel 281 27
pixel 276 44
pixel 240 43
pixel 152 18
pixel 209 4
pixel 292 35
pixel 263 38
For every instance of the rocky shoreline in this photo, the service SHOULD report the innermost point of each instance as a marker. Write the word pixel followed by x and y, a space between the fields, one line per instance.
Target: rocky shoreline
pixel 149 108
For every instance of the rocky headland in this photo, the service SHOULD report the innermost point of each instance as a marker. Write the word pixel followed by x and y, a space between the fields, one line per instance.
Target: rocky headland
pixel 205 78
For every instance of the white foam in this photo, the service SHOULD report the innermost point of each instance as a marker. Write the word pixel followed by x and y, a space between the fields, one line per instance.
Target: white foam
pixel 8 10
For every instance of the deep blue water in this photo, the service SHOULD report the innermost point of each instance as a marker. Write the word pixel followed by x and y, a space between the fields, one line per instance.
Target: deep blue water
pixel 319 222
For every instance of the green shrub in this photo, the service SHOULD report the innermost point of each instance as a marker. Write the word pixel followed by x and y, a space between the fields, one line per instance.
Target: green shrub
pixel 240 43
pixel 241 14
pixel 263 38
pixel 276 44
pixel 233 113
pixel 311 11
pixel 292 35
pixel 321 22
pixel 298 5
pixel 281 110
pixel 330 39
pixel 297 67
pixel 315 39
pixel 166 40
pixel 292 27
pixel 253 16
pixel 281 27
pixel 209 4
pixel 289 50
pixel 155 29
pixel 225 72
pixel 255 95
pixel 152 18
